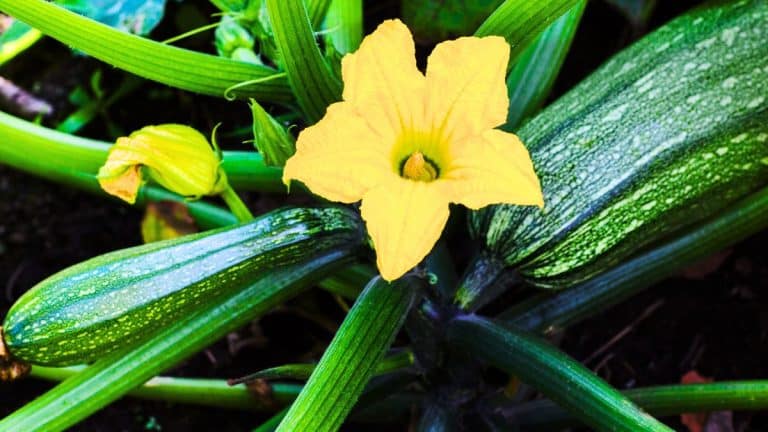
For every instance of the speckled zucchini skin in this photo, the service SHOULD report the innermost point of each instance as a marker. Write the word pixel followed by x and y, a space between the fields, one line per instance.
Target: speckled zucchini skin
pixel 666 134
pixel 91 308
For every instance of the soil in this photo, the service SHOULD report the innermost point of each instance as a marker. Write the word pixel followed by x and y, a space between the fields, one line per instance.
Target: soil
pixel 713 319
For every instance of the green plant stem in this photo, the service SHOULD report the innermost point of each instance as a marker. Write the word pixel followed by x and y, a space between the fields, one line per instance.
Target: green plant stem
pixel 73 160
pixel 560 310
pixel 204 392
pixel 659 401
pixel 521 21
pixel 176 67
pixel 344 25
pixel 316 11
pixel 236 205
pixel 351 282
pixel 310 77
pixel 531 79
pixel 557 376
pixel 125 369
pixel 351 357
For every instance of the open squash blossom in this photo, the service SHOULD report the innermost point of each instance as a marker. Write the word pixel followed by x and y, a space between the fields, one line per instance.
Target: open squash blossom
pixel 409 144
pixel 176 156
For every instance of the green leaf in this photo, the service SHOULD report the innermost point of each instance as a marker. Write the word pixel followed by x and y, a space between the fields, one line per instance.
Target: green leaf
pixel 521 21
pixel 16 39
pixel 532 77
pixel 560 378
pixel 660 401
pixel 310 77
pixel 113 376
pixel 351 358
pixel 133 16
pixel 344 25
pixel 588 298
pixel 176 67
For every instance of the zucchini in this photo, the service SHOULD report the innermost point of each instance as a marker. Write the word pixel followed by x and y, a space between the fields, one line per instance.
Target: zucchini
pixel 668 133
pixel 94 307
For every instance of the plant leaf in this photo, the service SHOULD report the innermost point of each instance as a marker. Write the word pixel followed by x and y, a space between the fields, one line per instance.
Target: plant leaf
pixel 562 379
pixel 351 358
pixel 134 16
pixel 164 220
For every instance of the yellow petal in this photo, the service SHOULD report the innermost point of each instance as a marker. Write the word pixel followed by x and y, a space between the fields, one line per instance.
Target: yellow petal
pixel 404 219
pixel 340 157
pixel 382 82
pixel 466 93
pixel 175 156
pixel 491 169
pixel 121 177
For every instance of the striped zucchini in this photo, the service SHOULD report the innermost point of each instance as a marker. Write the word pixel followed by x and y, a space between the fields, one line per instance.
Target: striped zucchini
pixel 89 309
pixel 666 134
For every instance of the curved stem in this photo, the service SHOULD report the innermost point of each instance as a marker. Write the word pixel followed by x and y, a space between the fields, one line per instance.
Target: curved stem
pixel 236 205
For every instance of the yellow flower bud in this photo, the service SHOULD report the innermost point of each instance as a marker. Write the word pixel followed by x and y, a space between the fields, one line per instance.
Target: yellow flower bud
pixel 175 156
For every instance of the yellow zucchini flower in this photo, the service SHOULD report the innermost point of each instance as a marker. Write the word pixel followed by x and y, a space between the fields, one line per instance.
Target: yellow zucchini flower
pixel 408 144
pixel 176 156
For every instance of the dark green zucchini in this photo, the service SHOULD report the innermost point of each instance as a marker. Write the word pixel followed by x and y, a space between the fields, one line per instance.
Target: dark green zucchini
pixel 89 309
pixel 668 133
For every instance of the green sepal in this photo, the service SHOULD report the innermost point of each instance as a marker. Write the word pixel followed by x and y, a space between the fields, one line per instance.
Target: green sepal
pixel 271 139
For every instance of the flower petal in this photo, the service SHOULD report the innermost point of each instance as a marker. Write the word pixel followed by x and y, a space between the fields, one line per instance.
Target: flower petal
pixel 466 92
pixel 382 82
pixel 404 219
pixel 121 176
pixel 340 157
pixel 491 169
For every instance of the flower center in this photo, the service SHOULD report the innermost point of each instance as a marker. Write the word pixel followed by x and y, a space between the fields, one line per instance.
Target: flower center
pixel 419 168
